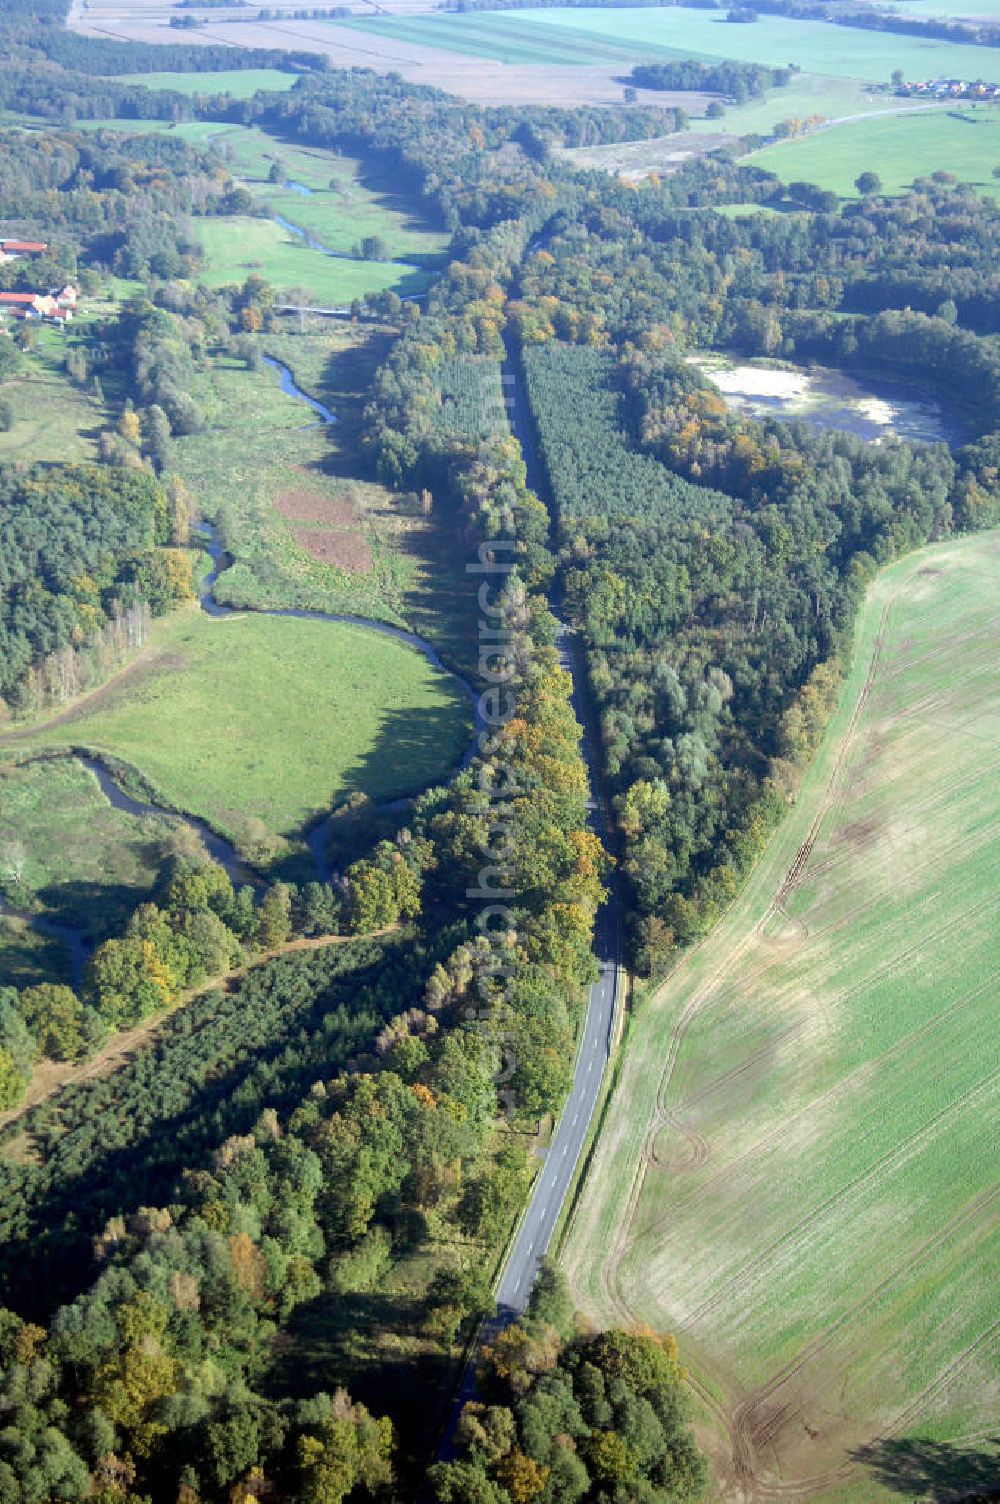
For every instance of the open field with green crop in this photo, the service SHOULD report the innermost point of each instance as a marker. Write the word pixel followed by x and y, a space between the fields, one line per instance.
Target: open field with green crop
pixel 814 46
pixel 798 1169
pixel 85 863
pixel 899 148
pixel 239 82
pixel 590 35
pixel 259 723
pixel 53 418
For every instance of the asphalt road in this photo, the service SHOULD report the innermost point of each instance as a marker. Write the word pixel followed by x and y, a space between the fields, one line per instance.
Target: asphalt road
pixel 552 1185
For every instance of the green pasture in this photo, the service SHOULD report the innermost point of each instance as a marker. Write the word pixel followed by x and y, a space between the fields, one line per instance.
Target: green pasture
pixel 53 418
pixel 238 82
pixel 805 94
pixel 257 444
pixel 815 1212
pixel 86 864
pixel 348 200
pixel 589 35
pixel 27 957
pixel 239 247
pixel 899 148
pixel 258 723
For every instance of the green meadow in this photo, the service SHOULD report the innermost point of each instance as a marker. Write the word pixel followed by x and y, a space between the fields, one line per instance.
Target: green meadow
pixel 86 864
pixel 797 1169
pixel 964 141
pixel 239 247
pixel 259 723
pixel 53 418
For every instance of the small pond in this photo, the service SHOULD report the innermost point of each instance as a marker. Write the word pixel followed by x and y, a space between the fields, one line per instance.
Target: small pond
pixel 826 398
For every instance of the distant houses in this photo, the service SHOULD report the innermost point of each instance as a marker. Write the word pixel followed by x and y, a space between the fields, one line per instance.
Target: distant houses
pixel 949 88
pixel 58 307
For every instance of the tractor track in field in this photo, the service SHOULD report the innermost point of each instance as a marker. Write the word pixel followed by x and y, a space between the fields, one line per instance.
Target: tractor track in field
pixel 737 1281
pixel 835 1093
pixel 750 1435
pixel 762 1489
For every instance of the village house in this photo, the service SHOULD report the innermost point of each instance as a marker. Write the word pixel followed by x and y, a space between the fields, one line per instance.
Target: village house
pixel 16 250
pixel 57 306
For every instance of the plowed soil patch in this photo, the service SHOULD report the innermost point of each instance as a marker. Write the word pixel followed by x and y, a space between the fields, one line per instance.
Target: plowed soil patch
pixel 312 506
pixel 344 550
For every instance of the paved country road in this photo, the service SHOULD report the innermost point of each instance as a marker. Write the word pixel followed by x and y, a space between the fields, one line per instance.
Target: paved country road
pixel 552 1185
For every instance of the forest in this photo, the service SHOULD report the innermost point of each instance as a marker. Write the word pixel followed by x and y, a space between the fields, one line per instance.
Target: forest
pixel 246 1262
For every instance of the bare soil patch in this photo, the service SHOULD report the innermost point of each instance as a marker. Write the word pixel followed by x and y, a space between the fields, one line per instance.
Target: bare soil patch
pixel 347 550
pixel 303 505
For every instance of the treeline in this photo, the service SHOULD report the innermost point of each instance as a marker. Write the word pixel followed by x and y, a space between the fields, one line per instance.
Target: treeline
pixel 737 81
pixel 79 545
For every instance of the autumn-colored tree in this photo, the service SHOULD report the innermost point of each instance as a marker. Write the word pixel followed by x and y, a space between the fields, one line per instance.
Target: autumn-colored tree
pixel 522 1477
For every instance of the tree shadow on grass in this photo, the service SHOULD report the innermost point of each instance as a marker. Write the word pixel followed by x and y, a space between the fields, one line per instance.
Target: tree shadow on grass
pixel 938 1472
pixel 366 1342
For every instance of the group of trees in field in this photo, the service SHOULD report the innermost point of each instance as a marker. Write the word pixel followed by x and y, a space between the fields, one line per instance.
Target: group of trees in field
pixel 737 81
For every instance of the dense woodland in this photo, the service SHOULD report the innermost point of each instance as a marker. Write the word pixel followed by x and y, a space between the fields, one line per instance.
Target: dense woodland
pixel 339 1143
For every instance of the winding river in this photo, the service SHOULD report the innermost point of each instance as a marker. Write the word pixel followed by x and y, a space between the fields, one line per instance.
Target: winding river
pixel 218 848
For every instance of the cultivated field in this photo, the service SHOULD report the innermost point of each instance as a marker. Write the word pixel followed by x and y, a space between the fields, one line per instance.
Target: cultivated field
pixel 814 46
pixel 798 1171
pixel 259 723
pixel 899 148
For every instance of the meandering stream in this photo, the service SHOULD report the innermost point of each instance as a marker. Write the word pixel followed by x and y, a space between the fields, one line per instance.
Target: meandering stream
pixel 221 850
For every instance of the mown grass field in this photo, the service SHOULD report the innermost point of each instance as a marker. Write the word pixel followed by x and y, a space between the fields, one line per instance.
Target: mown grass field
pixel 85 863
pixel 798 1170
pixel 347 199
pixel 899 148
pixel 259 723
pixel 239 82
